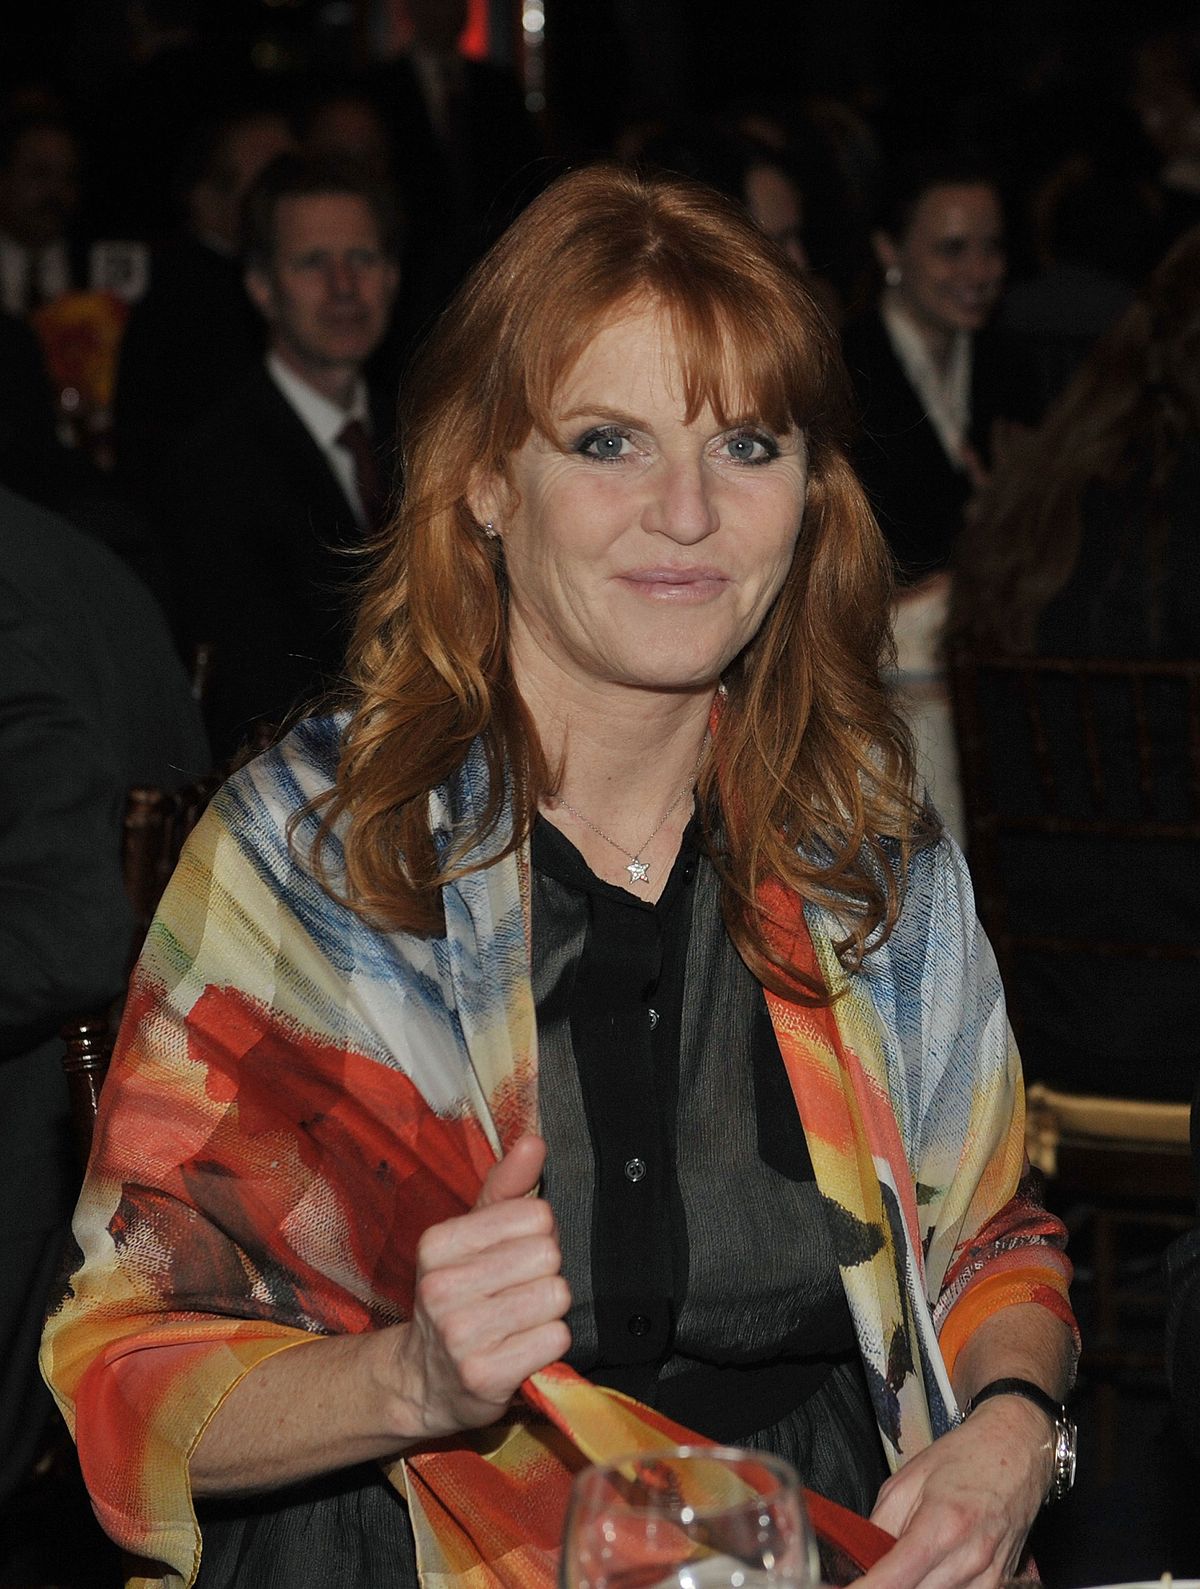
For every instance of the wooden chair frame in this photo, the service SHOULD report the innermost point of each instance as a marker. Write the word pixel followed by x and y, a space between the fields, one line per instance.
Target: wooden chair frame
pixel 1126 1161
pixel 156 825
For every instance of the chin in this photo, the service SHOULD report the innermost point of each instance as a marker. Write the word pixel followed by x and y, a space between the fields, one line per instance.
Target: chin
pixel 971 322
pixel 353 353
pixel 674 674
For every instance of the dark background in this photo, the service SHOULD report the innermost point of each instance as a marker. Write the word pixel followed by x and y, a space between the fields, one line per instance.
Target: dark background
pixel 932 67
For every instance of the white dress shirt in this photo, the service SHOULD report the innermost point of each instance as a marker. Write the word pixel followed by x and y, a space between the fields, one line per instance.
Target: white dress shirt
pixel 945 393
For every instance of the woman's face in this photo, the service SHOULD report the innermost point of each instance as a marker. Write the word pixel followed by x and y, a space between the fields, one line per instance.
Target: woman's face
pixel 951 258
pixel 642 551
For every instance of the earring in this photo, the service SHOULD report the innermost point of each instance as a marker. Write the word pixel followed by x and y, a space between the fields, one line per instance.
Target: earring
pixel 490 530
pixel 893 275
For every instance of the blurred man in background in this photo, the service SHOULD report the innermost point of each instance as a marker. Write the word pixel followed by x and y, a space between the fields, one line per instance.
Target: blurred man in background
pixel 268 493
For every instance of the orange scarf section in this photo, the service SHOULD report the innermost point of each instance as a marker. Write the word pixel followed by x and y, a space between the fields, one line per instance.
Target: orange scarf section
pixel 494 1515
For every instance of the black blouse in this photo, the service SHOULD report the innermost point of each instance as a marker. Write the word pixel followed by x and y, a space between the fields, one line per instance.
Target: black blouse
pixel 695 1241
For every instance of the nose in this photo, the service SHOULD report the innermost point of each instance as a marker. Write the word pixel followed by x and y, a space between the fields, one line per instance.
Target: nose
pixel 985 267
pixel 341 278
pixel 682 501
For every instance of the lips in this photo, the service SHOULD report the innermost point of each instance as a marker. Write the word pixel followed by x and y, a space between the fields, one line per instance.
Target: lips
pixel 977 301
pixel 676 584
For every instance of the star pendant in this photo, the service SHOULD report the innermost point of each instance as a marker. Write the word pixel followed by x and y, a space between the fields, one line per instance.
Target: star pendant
pixel 638 871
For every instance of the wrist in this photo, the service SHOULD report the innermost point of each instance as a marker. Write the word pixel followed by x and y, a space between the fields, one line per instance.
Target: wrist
pixel 1026 1404
pixel 395 1392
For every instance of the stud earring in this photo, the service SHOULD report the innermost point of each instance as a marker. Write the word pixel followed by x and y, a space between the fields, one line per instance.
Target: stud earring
pixel 490 530
pixel 893 275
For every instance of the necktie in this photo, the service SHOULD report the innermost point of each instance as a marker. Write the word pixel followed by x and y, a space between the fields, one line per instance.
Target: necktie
pixel 353 437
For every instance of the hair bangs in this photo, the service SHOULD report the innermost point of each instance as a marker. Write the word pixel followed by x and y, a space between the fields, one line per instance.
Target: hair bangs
pixel 742 359
pixel 745 362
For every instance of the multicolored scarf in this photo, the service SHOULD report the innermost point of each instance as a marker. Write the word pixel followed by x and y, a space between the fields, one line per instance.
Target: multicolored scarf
pixel 296 1097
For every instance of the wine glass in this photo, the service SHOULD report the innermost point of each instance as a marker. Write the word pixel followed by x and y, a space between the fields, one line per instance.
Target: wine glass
pixel 691 1517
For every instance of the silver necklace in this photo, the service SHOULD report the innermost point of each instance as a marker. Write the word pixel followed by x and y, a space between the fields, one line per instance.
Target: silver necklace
pixel 639 870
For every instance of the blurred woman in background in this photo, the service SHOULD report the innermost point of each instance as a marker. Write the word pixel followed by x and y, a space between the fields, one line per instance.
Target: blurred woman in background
pixel 933 389
pixel 930 383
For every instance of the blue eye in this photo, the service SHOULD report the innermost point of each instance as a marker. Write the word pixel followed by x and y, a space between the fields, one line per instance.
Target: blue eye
pixel 607 444
pixel 751 446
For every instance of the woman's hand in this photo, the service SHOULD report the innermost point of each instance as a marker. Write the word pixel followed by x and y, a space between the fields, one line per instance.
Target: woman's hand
pixel 489 1312
pixel 962 1508
pixel 490 1301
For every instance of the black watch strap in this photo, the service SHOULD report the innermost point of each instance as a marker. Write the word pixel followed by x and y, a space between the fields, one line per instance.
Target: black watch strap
pixel 1062 1474
pixel 1017 1387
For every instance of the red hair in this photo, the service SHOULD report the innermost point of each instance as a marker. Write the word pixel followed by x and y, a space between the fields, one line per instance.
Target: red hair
pixel 811 774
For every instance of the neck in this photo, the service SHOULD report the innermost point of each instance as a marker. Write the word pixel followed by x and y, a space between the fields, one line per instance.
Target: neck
pixel 337 382
pixel 624 754
pixel 937 339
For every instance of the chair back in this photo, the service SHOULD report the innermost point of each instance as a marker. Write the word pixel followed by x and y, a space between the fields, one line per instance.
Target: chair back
pixel 1081 789
pixel 156 825
pixel 1065 749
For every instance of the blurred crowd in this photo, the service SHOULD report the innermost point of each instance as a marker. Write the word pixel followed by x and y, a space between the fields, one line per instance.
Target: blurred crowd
pixel 211 277
pixel 160 337
pixel 211 280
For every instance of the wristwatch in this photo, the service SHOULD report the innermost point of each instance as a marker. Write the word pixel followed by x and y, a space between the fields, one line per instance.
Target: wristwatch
pixel 1062 1471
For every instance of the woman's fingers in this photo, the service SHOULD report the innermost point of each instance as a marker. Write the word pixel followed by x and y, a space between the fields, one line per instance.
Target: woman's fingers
pixel 516 1174
pixel 467 1314
pixel 961 1508
pixel 490 1299
pixel 503 1211
pixel 483 1230
pixel 489 1273
pixel 490 1372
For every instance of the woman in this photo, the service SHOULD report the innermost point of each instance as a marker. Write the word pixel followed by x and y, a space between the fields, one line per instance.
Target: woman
pixel 930 384
pixel 1085 547
pixel 930 387
pixel 473 928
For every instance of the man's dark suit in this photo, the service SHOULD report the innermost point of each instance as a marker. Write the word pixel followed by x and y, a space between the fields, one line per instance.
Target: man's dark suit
pixel 260 531
pixel 92 700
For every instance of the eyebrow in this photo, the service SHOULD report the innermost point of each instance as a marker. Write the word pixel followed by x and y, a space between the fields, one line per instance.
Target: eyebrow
pixel 600 411
pixel 616 416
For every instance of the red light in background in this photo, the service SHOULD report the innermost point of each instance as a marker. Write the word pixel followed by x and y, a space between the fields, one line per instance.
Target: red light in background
pixel 394 30
pixel 474 41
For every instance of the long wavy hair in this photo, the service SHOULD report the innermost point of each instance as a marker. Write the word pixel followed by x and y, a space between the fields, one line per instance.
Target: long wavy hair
pixel 1119 424
pixel 809 781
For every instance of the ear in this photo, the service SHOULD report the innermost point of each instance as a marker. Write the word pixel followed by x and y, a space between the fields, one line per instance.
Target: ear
pixel 489 497
pixel 261 295
pixel 885 249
